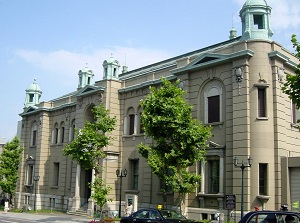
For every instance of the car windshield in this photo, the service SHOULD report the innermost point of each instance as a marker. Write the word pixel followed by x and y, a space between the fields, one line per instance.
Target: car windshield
pixel 170 214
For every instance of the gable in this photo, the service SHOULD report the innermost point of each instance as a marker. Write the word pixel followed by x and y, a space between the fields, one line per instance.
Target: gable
pixel 207 60
pixel 88 90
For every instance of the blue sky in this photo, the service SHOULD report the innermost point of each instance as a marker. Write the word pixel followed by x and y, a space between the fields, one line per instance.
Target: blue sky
pixel 51 40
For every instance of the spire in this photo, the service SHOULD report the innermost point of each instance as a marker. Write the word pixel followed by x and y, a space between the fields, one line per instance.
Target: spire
pixel 111 68
pixel 232 31
pixel 256 23
pixel 85 77
pixel 33 94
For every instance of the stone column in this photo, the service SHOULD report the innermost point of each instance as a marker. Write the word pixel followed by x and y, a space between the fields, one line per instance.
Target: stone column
pixel 221 174
pixel 202 189
pixel 135 124
pixel 76 198
pixel 125 125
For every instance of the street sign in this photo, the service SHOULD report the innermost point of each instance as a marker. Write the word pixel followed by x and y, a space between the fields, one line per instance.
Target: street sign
pixel 230 201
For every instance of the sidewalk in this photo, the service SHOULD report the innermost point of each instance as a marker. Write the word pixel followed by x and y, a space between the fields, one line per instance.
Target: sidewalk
pixel 47 217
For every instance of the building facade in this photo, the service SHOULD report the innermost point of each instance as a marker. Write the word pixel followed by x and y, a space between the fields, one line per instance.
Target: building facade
pixel 234 86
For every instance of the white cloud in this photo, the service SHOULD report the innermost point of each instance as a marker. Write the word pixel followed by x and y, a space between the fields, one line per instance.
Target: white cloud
pixel 285 14
pixel 67 64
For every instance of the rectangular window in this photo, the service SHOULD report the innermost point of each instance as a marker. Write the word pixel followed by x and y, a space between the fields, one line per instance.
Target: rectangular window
pixel 214 170
pixel 258 21
pixel 263 177
pixel 135 174
pixel 29 179
pixel 295 114
pixel 27 199
pixel 31 96
pixel 34 132
pixel 131 124
pixel 55 174
pixel 262 111
pixel 213 112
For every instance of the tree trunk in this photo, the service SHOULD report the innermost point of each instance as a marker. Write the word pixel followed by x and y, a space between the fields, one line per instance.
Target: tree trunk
pixel 182 203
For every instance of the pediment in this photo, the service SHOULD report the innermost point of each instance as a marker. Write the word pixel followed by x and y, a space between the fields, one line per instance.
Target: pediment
pixel 87 89
pixel 30 109
pixel 207 60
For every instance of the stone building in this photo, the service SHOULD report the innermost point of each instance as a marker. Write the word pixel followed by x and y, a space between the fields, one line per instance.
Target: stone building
pixel 234 86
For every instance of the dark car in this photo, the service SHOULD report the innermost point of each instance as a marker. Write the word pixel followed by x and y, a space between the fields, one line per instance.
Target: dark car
pixel 271 217
pixel 155 215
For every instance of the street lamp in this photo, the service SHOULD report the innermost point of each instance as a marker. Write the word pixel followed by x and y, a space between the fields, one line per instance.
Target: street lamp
pixel 120 174
pixel 242 166
pixel 36 179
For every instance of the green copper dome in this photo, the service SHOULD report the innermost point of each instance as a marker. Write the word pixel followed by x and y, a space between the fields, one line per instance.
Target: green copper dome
pixel 34 87
pixel 256 20
pixel 255 3
pixel 33 94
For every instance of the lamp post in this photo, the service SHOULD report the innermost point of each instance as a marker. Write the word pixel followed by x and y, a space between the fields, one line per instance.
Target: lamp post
pixel 36 179
pixel 120 174
pixel 242 166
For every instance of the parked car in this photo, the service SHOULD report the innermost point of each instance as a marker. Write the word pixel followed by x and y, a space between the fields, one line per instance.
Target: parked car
pixel 271 217
pixel 155 215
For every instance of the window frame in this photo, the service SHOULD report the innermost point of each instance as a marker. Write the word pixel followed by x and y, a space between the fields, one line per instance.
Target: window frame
pixel 213 90
pixel 56 167
pixel 131 124
pixel 29 174
pixel 262 86
pixel 211 178
pixel 263 179
pixel 295 114
pixel 34 134
pixel 134 167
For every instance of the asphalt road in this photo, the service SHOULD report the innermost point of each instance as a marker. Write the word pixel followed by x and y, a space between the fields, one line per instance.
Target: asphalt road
pixel 11 217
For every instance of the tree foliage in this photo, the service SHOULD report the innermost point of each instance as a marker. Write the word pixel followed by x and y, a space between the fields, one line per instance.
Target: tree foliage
pixel 87 150
pixel 292 84
pixel 9 164
pixel 180 140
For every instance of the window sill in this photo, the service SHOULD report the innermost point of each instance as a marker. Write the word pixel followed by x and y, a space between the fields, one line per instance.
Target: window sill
pixel 168 193
pixel 139 134
pixel 131 191
pixel 215 123
pixel 262 118
pixel 54 187
pixel 211 195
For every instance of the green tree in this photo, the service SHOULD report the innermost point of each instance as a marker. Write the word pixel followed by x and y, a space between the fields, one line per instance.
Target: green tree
pixel 180 140
pixel 87 150
pixel 9 164
pixel 292 85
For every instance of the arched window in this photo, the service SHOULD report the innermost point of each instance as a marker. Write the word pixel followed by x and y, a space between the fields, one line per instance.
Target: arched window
pixel 62 132
pixel 72 131
pixel 34 130
pixel 55 134
pixel 213 103
pixel 130 122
